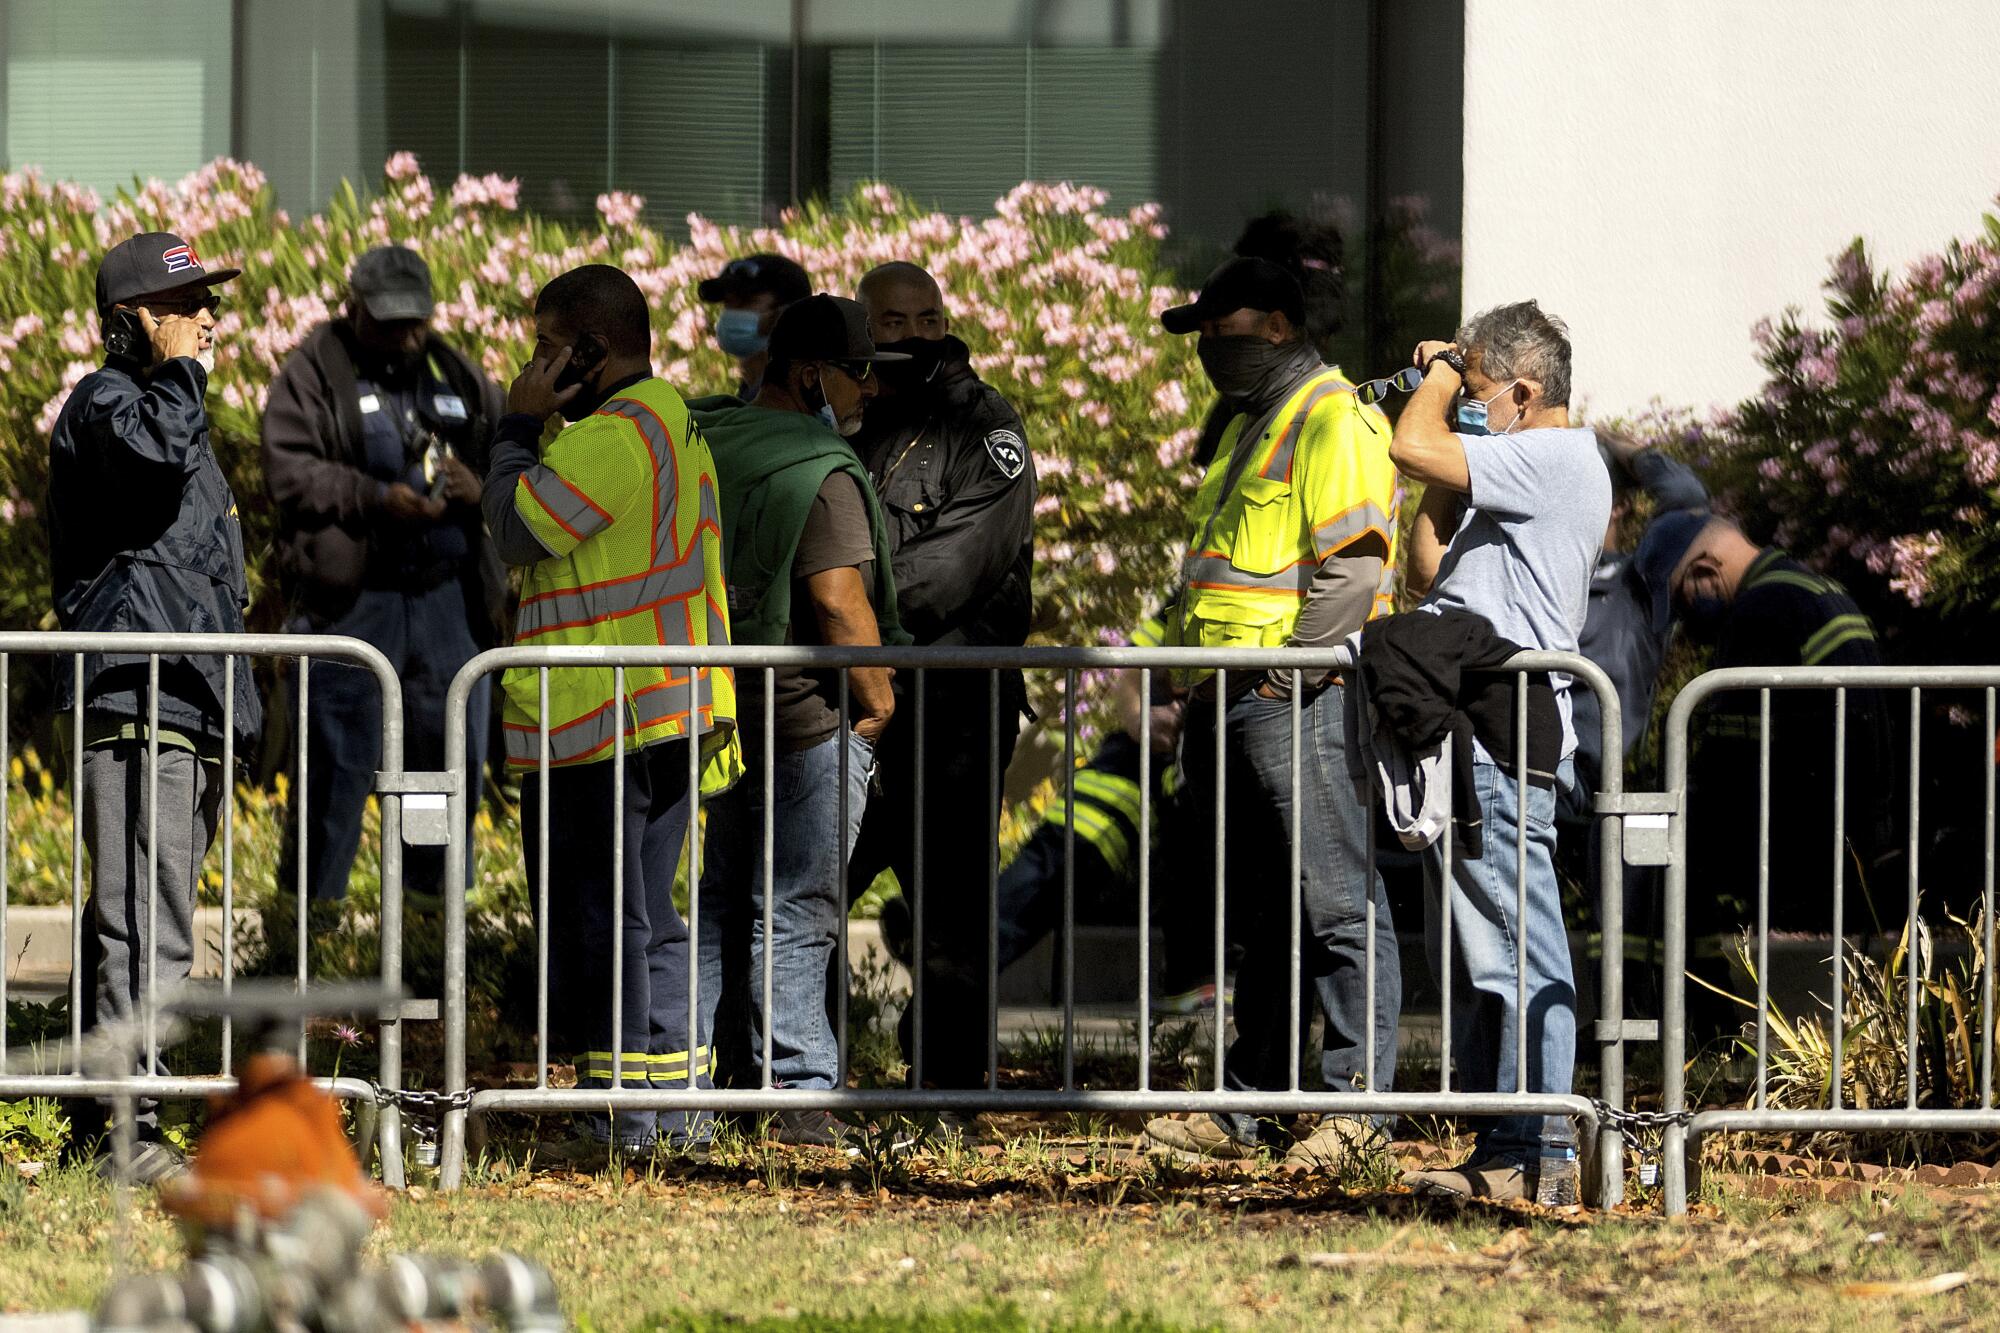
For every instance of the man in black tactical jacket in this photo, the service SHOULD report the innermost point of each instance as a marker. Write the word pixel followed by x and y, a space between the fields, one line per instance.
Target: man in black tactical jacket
pixel 143 536
pixel 951 464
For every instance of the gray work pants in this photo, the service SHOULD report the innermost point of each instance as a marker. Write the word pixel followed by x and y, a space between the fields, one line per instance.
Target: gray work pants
pixel 123 916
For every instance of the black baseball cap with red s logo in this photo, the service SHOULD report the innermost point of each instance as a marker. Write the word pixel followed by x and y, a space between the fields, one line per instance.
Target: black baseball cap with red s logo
pixel 152 262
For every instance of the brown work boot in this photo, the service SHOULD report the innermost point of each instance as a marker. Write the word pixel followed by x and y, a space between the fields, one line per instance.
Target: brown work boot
pixel 1196 1139
pixel 1492 1178
pixel 1337 1144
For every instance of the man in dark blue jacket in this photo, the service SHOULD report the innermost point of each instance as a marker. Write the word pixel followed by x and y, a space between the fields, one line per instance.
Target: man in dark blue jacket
pixel 143 536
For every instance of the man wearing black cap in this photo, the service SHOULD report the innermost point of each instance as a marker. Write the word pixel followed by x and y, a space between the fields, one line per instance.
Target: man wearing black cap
pixel 1293 545
pixel 375 438
pixel 752 291
pixel 950 459
pixel 143 536
pixel 807 557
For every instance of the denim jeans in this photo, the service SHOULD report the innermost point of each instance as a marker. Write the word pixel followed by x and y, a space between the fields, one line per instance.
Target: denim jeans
pixel 809 852
pixel 1338 883
pixel 1490 943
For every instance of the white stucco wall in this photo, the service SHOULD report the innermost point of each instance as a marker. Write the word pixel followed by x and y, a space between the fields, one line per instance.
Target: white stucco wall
pixel 1663 175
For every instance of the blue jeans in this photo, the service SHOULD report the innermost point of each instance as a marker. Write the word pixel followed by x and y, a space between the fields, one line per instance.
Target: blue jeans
pixel 426 639
pixel 809 852
pixel 1338 882
pixel 1490 945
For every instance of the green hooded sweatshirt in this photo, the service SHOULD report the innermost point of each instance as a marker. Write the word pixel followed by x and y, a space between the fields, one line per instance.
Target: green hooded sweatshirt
pixel 769 467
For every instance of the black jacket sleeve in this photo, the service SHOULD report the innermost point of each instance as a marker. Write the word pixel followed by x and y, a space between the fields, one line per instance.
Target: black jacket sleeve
pixel 513 454
pixel 154 425
pixel 949 572
pixel 304 469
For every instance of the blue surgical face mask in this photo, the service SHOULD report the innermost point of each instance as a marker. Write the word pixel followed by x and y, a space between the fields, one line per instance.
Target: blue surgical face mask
pixel 1471 415
pixel 736 333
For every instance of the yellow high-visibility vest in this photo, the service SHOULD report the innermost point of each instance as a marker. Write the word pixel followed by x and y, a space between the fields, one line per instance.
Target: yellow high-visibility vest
pixel 1319 480
pixel 625 502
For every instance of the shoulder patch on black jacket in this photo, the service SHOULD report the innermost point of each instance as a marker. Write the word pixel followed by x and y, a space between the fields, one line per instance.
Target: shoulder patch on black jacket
pixel 1008 451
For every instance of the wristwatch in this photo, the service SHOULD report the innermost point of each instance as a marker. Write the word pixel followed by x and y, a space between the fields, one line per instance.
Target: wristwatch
pixel 1450 358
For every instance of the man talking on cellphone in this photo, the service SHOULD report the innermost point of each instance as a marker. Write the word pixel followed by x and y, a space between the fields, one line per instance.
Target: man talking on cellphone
pixel 143 536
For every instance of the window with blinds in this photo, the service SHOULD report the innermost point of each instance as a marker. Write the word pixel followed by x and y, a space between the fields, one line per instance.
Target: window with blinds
pixel 65 61
pixel 959 126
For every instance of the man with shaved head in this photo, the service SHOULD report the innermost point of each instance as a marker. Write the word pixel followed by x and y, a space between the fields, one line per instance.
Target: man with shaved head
pixel 950 461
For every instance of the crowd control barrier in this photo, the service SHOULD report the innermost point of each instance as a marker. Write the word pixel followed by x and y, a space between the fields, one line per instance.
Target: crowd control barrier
pixel 1828 867
pixel 303 651
pixel 917 668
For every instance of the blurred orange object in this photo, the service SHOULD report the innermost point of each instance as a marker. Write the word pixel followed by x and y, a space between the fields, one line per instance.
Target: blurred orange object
pixel 270 1143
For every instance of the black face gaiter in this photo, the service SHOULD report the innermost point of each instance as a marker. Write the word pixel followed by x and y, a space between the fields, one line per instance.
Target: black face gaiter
pixel 1253 372
pixel 927 355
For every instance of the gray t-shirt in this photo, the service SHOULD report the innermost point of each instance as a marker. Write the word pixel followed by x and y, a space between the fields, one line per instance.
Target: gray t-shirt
pixel 1526 544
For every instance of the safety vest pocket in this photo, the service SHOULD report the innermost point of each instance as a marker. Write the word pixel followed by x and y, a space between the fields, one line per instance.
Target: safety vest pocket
pixel 1266 536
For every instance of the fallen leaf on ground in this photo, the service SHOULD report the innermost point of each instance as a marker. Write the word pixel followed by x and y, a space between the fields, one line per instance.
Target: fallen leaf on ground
pixel 1922 1286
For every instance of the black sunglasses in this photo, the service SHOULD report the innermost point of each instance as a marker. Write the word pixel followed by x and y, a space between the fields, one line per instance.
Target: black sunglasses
pixel 1372 392
pixel 185 306
pixel 854 370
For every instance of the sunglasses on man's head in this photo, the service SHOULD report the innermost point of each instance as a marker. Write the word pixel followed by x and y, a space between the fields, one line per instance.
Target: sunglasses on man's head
pixel 1372 392
pixel 746 269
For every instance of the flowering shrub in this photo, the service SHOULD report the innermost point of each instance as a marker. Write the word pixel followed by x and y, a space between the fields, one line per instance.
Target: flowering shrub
pixel 1873 450
pixel 1056 297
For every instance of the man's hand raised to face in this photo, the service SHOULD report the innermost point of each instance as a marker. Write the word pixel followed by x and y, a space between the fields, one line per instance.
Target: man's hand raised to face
pixel 534 393
pixel 176 335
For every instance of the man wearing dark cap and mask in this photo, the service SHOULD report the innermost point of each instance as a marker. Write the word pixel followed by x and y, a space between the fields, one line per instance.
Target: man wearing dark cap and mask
pixel 807 560
pixel 951 463
pixel 1293 545
pixel 375 438
pixel 143 536
pixel 752 291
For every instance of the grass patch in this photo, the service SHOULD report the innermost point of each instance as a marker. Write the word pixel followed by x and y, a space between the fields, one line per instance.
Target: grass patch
pixel 964 1239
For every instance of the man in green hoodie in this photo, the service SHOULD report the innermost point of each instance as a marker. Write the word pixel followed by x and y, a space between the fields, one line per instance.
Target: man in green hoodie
pixel 807 559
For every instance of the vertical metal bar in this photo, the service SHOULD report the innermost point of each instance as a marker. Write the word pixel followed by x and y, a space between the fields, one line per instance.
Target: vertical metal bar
pixel 770 852
pixel 993 880
pixel 6 842
pixel 389 1128
pixel 228 850
pixel 1145 1029
pixel 1069 881
pixel 149 993
pixel 1611 966
pixel 1990 759
pixel 618 882
pixel 1673 962
pixel 1910 922
pixel 542 879
pixel 917 905
pixel 697 1059
pixel 1368 807
pixel 840 966
pixel 299 795
pixel 1521 880
pixel 1839 887
pixel 451 1138
pixel 76 866
pixel 1294 1038
pixel 1221 796
pixel 1444 918
pixel 1763 895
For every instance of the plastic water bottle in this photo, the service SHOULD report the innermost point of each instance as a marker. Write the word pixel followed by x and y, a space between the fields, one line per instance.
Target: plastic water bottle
pixel 1556 1172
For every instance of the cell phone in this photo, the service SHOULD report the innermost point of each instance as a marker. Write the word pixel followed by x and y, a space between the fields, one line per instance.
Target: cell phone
pixel 125 335
pixel 435 452
pixel 585 355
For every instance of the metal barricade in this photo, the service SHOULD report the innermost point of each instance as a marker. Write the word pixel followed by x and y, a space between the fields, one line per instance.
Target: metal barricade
pixel 303 649
pixel 1611 1033
pixel 1685 1128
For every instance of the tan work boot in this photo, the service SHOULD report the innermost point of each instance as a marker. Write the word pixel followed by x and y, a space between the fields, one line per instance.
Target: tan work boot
pixel 1493 1178
pixel 1197 1139
pixel 1338 1143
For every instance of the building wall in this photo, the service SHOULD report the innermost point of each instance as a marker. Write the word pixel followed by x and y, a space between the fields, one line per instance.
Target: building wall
pixel 1663 177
